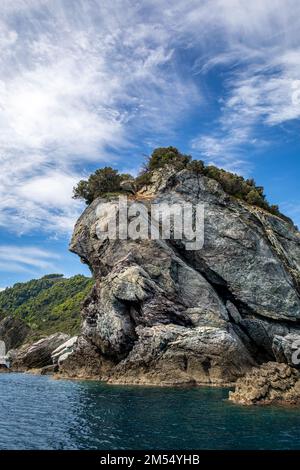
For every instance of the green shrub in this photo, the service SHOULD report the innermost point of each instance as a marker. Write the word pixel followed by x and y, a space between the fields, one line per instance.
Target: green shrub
pixel 254 198
pixel 167 156
pixel 106 182
pixel 144 179
pixel 103 181
pixel 159 158
pixel 196 166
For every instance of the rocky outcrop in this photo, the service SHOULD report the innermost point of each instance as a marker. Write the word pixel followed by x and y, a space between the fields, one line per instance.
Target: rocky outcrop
pixel 36 355
pixel 270 383
pixel 13 331
pixel 176 355
pixel 162 314
pixel 60 354
pixel 86 362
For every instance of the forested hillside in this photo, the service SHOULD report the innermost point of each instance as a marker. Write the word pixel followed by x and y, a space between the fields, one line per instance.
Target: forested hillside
pixel 47 305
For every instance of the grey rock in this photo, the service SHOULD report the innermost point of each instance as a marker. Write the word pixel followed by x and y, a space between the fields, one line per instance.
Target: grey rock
pixel 175 355
pixel 287 349
pixel 13 331
pixel 128 185
pixel 49 370
pixel 36 355
pixel 159 313
pixel 64 350
pixel 86 361
pixel 233 312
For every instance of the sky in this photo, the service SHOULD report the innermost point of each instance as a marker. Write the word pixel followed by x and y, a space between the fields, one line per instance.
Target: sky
pixel 88 83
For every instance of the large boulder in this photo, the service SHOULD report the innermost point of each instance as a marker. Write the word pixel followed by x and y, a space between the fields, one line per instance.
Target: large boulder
pixel 270 383
pixel 161 313
pixel 36 355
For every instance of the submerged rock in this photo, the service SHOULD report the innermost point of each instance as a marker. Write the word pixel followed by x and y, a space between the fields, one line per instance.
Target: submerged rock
pixel 160 313
pixel 270 383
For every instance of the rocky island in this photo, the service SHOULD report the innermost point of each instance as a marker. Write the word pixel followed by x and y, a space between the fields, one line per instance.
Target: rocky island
pixel 159 314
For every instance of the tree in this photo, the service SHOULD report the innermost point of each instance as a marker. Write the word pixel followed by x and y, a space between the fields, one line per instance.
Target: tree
pixel 104 180
pixel 167 156
pixel 196 166
pixel 81 191
pixel 251 182
pixel 254 198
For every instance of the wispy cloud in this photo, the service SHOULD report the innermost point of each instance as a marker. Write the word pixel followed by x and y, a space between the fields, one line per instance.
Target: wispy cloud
pixel 292 209
pixel 26 259
pixel 79 84
pixel 262 86
pixel 75 84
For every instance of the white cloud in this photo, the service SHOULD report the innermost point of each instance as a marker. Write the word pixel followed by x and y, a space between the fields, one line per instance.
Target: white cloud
pixel 51 189
pixel 75 84
pixel 26 259
pixel 262 39
pixel 265 95
pixel 78 84
pixel 224 148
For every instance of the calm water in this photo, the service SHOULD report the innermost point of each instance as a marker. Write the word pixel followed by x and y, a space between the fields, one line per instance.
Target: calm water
pixel 40 413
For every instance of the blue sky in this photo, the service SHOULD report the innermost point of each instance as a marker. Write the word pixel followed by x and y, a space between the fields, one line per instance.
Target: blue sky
pixel 88 83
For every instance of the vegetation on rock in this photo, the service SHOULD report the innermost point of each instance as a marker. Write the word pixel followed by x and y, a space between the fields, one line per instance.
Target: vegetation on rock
pixel 107 181
pixel 49 304
pixel 167 156
pixel 103 181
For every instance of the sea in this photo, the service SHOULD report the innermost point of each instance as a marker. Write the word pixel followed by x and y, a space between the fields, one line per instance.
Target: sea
pixel 38 412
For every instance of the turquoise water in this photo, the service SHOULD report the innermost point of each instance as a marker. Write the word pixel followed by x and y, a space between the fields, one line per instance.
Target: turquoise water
pixel 37 412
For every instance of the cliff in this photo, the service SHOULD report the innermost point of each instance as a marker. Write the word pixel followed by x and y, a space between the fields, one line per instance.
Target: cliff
pixel 162 314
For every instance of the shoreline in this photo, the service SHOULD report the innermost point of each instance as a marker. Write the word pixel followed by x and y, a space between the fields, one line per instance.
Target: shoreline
pixel 229 388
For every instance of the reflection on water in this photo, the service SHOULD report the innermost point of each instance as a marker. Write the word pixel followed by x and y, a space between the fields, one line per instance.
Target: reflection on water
pixel 40 413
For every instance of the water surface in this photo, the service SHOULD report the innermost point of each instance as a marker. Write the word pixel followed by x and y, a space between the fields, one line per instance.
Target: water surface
pixel 37 412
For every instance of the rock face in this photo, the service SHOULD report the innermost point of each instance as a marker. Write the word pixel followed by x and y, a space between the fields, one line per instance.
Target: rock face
pixel 270 383
pixel 60 354
pixel 162 314
pixel 287 349
pixel 36 355
pixel 13 331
